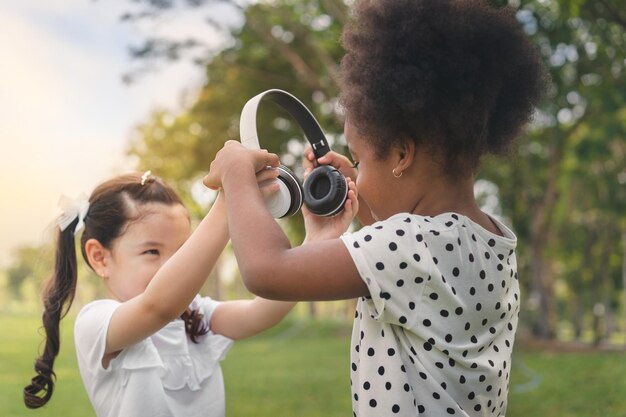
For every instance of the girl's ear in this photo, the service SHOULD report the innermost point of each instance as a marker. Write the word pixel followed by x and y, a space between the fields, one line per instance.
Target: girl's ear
pixel 405 157
pixel 98 256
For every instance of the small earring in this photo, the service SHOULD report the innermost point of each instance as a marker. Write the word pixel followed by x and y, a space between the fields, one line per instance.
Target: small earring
pixel 393 171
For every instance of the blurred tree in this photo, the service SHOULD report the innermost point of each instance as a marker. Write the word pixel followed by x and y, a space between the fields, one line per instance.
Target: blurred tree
pixel 567 174
pixel 563 188
pixel 290 45
pixel 28 264
pixel 33 265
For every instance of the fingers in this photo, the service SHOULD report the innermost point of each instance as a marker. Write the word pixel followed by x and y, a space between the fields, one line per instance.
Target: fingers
pixel 262 159
pixel 351 206
pixel 266 179
pixel 340 162
pixel 266 159
pixel 352 186
pixel 210 182
pixel 268 187
pixel 308 162
pixel 266 174
pixel 337 160
pixel 234 157
pixel 308 153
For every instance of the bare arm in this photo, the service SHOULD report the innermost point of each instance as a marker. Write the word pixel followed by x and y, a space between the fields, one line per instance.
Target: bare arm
pixel 174 286
pixel 239 319
pixel 270 267
pixel 244 318
pixel 178 281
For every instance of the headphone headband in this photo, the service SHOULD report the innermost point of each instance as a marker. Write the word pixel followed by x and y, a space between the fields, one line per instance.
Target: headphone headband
pixel 303 116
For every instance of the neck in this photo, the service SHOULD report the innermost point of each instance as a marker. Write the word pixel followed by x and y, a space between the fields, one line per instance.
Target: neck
pixel 441 194
pixel 437 193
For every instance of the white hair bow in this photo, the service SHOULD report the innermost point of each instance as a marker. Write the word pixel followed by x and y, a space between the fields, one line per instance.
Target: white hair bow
pixel 71 209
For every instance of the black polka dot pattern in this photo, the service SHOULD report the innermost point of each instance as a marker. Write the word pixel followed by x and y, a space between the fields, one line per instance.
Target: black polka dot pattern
pixel 435 335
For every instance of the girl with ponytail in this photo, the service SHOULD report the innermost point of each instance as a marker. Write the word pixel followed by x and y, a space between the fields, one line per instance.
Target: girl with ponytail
pixel 153 346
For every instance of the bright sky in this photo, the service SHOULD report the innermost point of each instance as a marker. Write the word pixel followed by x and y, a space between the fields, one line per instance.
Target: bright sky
pixel 65 115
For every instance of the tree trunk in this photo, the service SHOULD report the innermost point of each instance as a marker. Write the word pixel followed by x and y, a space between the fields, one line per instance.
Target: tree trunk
pixel 577 319
pixel 624 275
pixel 543 289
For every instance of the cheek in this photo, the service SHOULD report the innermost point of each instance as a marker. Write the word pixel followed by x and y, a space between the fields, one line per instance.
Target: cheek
pixel 142 273
pixel 365 184
pixel 361 185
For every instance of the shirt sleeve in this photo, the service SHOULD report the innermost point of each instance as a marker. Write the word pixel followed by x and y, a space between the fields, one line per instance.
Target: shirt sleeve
pixel 220 345
pixel 90 334
pixel 393 265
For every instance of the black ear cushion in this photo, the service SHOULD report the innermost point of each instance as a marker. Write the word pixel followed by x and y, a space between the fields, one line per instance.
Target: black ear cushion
pixel 295 189
pixel 325 191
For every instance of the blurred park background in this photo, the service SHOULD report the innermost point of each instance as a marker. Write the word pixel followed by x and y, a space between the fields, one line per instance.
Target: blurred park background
pixel 183 69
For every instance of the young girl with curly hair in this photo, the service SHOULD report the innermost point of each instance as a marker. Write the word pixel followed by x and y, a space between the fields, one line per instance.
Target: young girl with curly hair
pixel 428 88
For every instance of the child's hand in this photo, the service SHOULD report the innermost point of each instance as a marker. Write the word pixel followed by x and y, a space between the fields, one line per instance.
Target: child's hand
pixel 234 158
pixel 320 228
pixel 347 168
pixel 266 178
pixel 334 159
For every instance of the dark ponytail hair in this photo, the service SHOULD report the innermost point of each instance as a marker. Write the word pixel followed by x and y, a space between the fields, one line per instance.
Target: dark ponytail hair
pixel 112 206
pixel 57 297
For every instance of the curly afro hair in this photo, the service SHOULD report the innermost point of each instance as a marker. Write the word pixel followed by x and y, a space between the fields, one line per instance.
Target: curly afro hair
pixel 458 77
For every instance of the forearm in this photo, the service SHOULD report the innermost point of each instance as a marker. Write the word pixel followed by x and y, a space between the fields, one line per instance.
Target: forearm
pixel 266 314
pixel 173 287
pixel 258 241
pixel 181 277
pixel 269 267
pixel 244 318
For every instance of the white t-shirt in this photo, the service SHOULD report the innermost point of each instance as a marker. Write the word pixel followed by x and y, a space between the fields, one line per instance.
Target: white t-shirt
pixel 164 375
pixel 435 335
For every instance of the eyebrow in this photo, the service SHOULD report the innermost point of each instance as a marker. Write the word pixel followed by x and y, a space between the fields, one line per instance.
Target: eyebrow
pixel 149 243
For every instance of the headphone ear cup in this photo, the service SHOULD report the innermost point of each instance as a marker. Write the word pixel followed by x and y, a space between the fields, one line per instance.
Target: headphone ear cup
pixel 325 191
pixel 288 200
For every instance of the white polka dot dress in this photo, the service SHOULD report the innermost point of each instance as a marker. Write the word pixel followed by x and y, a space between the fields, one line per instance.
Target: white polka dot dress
pixel 435 335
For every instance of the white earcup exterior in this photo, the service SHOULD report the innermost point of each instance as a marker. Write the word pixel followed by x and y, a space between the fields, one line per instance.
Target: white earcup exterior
pixel 278 203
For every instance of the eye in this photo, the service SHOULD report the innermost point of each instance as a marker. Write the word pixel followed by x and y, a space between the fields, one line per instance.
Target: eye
pixel 151 252
pixel 355 165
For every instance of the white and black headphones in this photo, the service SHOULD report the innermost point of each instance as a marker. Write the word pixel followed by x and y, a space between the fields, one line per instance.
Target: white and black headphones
pixel 325 189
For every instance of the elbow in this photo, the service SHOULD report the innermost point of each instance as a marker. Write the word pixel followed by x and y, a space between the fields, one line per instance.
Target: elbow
pixel 161 309
pixel 164 312
pixel 261 279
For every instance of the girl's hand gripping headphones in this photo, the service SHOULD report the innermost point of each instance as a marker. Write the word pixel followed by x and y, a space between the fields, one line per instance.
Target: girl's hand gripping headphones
pixel 325 189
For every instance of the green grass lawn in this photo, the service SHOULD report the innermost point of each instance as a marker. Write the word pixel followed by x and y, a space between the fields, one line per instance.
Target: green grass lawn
pixel 301 368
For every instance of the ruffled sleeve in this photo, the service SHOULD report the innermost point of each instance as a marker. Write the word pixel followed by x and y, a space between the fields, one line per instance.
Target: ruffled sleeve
pixel 140 356
pixel 90 333
pixel 213 347
pixel 183 362
pixel 169 355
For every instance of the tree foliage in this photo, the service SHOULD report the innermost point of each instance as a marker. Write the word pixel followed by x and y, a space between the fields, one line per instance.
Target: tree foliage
pixel 563 187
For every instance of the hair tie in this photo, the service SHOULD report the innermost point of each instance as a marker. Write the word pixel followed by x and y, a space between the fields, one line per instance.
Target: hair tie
pixel 145 177
pixel 71 209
